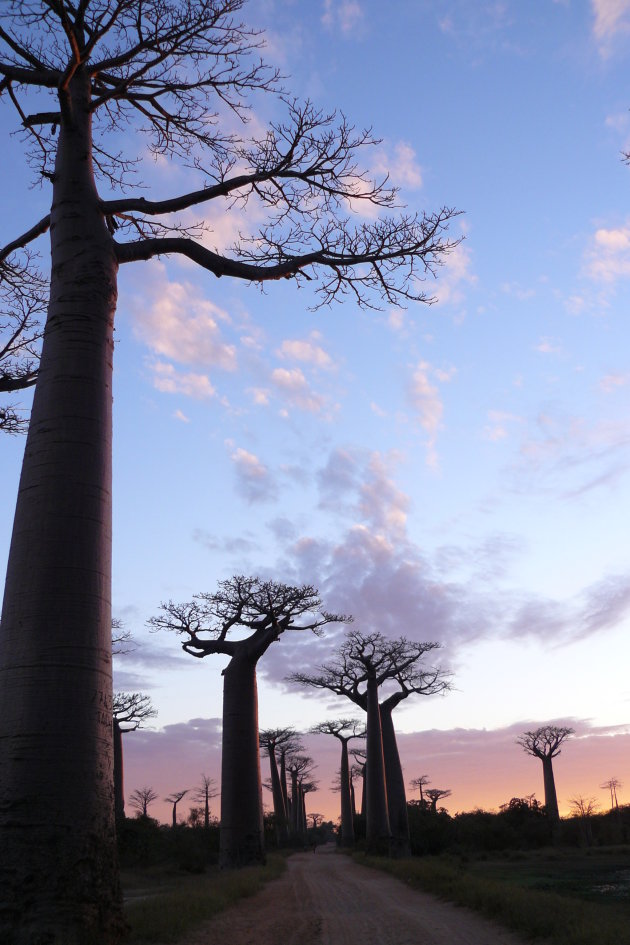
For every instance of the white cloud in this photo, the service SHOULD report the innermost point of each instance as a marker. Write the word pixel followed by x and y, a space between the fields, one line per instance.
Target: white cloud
pixel 176 322
pixel 548 346
pixel 180 415
pixel 343 15
pixel 253 479
pixel 497 427
pixel 168 380
pixel 608 256
pixel 401 166
pixel 611 18
pixel 308 351
pixel 612 382
pixel 259 395
pixel 293 387
pixel 425 398
pixel 454 276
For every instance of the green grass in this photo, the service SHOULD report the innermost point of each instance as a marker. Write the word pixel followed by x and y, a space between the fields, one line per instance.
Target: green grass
pixel 560 918
pixel 173 903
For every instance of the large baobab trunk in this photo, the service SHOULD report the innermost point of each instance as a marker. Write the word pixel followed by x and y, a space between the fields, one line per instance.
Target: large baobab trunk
pixel 377 818
pixel 347 823
pixel 119 793
pixel 55 645
pixel 396 796
pixel 241 841
pixel 551 800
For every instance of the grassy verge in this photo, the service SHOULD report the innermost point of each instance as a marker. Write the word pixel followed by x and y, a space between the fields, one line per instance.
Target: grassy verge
pixel 558 919
pixel 173 904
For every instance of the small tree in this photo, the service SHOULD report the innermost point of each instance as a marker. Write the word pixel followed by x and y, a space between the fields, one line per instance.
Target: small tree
pixel 130 711
pixel 420 783
pixel 435 795
pixel 264 610
pixel 203 793
pixel 544 743
pixel 141 799
pixel 174 799
pixel 612 784
pixel 22 307
pixel 584 808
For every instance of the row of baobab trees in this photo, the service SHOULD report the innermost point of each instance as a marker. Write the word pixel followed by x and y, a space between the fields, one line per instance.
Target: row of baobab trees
pixel 241 619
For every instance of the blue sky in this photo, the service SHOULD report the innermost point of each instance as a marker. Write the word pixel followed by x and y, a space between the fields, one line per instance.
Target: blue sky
pixel 454 472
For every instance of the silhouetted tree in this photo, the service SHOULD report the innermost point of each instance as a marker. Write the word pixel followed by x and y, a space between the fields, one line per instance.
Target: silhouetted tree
pixel 174 799
pixel 584 808
pixel 265 609
pixel 544 743
pixel 130 711
pixel 22 307
pixel 364 663
pixel 299 768
pixel 612 786
pixel 141 798
pixel 203 793
pixel 344 730
pixel 283 740
pixel 159 75
pixel 420 783
pixel 360 758
pixel 435 795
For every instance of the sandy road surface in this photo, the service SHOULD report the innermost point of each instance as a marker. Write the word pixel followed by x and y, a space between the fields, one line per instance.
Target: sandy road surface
pixel 327 899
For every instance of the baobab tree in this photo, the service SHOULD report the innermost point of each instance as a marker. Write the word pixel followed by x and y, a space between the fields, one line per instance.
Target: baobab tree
pixel 141 798
pixel 420 783
pixel 612 784
pixel 299 768
pixel 544 743
pixel 364 663
pixel 344 730
pixel 281 740
pixel 202 794
pixel 174 799
pixel 264 610
pixel 435 795
pixel 130 711
pixel 158 77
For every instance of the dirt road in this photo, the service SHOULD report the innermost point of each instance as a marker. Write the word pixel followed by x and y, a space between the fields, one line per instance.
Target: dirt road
pixel 327 899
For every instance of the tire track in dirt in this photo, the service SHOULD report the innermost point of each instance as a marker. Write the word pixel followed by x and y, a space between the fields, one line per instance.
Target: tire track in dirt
pixel 327 899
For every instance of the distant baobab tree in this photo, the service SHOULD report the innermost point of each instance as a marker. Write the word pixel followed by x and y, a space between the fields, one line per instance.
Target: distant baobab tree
pixel 202 794
pixel 365 663
pixel 264 610
pixel 299 768
pixel 130 711
pixel 612 784
pixel 281 740
pixel 141 798
pixel 344 730
pixel 174 799
pixel 544 743
pixel 435 795
pixel 420 783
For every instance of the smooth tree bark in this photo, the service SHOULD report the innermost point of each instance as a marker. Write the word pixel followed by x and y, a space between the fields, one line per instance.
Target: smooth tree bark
pixel 544 743
pixel 344 730
pixel 130 711
pixel 366 662
pixel 265 610
pixel 164 73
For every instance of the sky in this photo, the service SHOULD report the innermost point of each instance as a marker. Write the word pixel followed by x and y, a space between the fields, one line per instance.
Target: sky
pixel 454 472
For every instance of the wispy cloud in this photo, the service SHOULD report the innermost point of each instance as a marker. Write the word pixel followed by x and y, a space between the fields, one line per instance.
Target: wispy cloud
pixel 345 16
pixel 291 386
pixel 170 381
pixel 177 322
pixel 498 424
pixel 425 399
pixel 612 382
pixel 253 480
pixel 611 19
pixel 307 350
pixel 608 257
pixel 455 276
